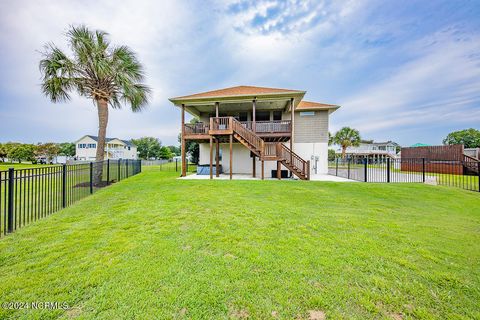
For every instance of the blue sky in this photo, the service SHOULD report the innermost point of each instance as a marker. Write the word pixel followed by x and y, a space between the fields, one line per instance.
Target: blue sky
pixel 407 71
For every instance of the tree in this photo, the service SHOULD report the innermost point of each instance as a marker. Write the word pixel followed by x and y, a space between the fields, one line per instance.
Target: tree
pixel 148 147
pixel 22 152
pixel 470 138
pixel 165 153
pixel 346 137
pixel 109 75
pixel 3 152
pixel 67 149
pixel 175 150
pixel 48 150
pixel 331 154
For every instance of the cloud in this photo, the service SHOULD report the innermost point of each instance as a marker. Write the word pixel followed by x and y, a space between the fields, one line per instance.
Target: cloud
pixel 440 84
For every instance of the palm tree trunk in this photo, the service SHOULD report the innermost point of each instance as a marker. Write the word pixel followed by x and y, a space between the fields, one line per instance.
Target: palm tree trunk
pixel 344 151
pixel 102 106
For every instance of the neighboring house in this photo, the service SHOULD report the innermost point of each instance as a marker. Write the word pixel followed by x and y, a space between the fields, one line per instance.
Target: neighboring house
pixel 252 130
pixel 371 149
pixel 86 148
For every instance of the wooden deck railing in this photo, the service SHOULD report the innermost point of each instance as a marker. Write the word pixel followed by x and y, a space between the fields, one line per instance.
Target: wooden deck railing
pixel 248 135
pixel 197 128
pixel 220 123
pixel 275 126
pixel 293 159
pixel 270 149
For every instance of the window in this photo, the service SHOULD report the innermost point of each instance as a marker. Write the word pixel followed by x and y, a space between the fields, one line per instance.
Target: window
pixel 277 115
pixel 243 116
pixel 262 116
pixel 92 145
pixel 307 113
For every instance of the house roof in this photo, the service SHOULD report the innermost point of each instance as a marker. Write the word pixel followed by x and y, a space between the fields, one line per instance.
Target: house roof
pixel 238 91
pixel 419 145
pixel 127 142
pixel 379 143
pixel 310 105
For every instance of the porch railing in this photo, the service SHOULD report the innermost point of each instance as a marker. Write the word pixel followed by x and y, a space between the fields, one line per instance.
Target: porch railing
pixel 275 126
pixel 197 128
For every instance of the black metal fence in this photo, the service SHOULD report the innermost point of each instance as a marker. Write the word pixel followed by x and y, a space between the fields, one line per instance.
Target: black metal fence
pixel 174 165
pixel 461 174
pixel 27 195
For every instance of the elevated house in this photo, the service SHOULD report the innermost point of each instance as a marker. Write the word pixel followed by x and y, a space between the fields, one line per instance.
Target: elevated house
pixel 371 150
pixel 86 148
pixel 257 131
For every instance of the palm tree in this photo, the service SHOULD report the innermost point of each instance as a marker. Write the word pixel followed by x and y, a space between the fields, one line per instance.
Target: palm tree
pixel 346 137
pixel 109 75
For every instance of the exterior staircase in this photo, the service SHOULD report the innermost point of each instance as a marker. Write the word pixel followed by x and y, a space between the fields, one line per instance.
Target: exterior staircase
pixel 471 165
pixel 270 151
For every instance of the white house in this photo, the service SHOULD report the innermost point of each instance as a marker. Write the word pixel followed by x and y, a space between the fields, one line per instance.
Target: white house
pixel 86 148
pixel 257 131
pixel 371 149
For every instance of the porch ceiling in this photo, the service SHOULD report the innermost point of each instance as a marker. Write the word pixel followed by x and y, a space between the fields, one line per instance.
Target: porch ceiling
pixel 241 106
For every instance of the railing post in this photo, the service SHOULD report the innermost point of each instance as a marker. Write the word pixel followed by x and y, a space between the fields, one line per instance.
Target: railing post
pixel 91 177
pixel 336 168
pixel 108 171
pixel 388 169
pixel 64 186
pixel 11 182
pixel 348 168
pixel 365 169
pixel 211 124
pixel 230 123
pixel 423 170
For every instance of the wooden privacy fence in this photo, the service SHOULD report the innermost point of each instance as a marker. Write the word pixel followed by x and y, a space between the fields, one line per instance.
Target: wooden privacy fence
pixel 27 195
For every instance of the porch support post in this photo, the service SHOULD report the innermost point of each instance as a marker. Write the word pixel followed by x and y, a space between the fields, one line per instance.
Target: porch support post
pixel 279 174
pixel 211 157
pixel 216 109
pixel 217 160
pixel 254 169
pixel 263 170
pixel 254 126
pixel 231 160
pixel 184 158
pixel 292 118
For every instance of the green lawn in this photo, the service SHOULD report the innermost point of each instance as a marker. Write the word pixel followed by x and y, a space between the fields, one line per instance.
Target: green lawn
pixel 153 246
pixel 6 166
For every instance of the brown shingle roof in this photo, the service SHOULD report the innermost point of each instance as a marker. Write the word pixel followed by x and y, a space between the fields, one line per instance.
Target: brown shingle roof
pixel 309 105
pixel 238 91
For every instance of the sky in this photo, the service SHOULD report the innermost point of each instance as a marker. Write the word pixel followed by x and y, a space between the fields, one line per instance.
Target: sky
pixel 407 71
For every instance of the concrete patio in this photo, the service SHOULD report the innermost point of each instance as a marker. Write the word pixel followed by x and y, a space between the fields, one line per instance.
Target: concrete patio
pixel 237 176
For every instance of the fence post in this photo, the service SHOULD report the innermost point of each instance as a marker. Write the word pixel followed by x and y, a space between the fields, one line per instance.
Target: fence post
pixel 139 166
pixel 176 165
pixel 348 168
pixel 11 183
pixel 64 186
pixel 423 170
pixel 186 164
pixel 336 168
pixel 478 171
pixel 91 177
pixel 388 169
pixel 365 163
pixel 126 168
pixel 119 162
pixel 108 171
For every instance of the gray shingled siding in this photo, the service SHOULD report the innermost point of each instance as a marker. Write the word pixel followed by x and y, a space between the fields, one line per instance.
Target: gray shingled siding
pixel 312 128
